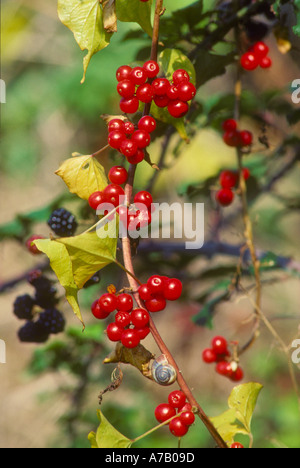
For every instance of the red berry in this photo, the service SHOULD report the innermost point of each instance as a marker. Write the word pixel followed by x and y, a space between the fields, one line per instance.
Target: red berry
pixel 143 332
pixel 178 428
pixel 249 61
pixel 219 345
pixel 246 173
pixel 224 368
pixel 98 312
pixel 172 289
pixel 225 197
pixel 260 49
pixel 236 445
pixel 209 356
pixel 108 302
pixel 178 108
pixel 156 284
pixel 130 105
pixel 147 123
pixel 123 72
pixel 124 302
pixel 140 318
pixel 144 292
pixel 246 138
pixel 144 93
pixel 163 412
pixel 173 92
pixel 180 76
pixel 186 91
pixel 130 338
pixel 126 88
pixel 114 332
pixel 232 138
pixel 96 199
pixel 128 128
pixel 228 179
pixel 160 86
pixel 237 375
pixel 123 319
pixel 116 124
pixel 114 194
pixel 31 247
pixel 118 175
pixel 144 198
pixel 187 407
pixel 115 138
pixel 137 157
pixel 187 418
pixel 161 101
pixel 138 75
pixel 265 62
pixel 229 125
pixel 128 147
pixel 177 399
pixel 141 138
pixel 156 304
pixel 151 67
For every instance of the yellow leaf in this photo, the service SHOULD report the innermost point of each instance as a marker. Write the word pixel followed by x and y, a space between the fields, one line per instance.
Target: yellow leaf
pixel 83 175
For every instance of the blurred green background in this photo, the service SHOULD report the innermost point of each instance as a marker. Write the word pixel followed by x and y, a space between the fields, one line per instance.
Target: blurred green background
pixel 48 116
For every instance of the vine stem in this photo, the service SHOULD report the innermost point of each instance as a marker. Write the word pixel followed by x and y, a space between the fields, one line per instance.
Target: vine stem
pixel 128 263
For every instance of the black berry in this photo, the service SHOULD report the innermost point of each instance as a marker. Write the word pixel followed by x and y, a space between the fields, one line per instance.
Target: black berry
pixel 23 306
pixel 63 223
pixel 52 321
pixel 32 332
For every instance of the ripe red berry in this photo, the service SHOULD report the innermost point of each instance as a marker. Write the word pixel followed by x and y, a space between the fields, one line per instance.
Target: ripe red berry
pixel 219 345
pixel 115 139
pixel 141 138
pixel 123 72
pixel 137 157
pixel 228 179
pixel 178 108
pixel 187 407
pixel 246 173
pixel 156 284
pixel 237 375
pixel 161 101
pixel 130 105
pixel 209 356
pixel 140 318
pixel 246 138
pixel 177 399
pixel 229 125
pixel 147 123
pixel 224 368
pixel 97 312
pixel 173 92
pixel 144 93
pixel 114 332
pixel 232 138
pixel 260 49
pixel 265 62
pixel 126 88
pixel 128 147
pixel 180 76
pixel 156 304
pixel 122 319
pixel 172 289
pixel 114 194
pixel 143 332
pixel 225 197
pixel 108 302
pixel 144 292
pixel 151 67
pixel 96 199
pixel 249 61
pixel 124 302
pixel 178 428
pixel 236 445
pixel 163 412
pixel 31 247
pixel 138 75
pixel 186 91
pixel 128 128
pixel 130 338
pixel 116 124
pixel 118 175
pixel 187 418
pixel 160 86
pixel 144 198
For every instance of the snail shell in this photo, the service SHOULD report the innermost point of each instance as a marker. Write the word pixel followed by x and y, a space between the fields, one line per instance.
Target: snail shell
pixel 162 372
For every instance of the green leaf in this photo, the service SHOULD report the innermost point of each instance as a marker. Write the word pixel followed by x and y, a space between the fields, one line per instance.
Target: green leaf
pixel 75 259
pixel 83 175
pixel 210 65
pixel 85 19
pixel 135 11
pixel 107 436
pixel 237 419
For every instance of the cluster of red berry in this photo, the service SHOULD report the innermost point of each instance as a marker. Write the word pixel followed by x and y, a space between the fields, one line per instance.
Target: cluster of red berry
pixel 158 290
pixel 219 354
pixel 177 404
pixel 228 181
pixel 131 141
pixel 141 84
pixel 256 56
pixel 138 215
pixel 234 137
pixel 130 325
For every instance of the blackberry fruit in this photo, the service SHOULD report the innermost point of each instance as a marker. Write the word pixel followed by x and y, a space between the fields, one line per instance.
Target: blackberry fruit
pixel 63 223
pixel 52 321
pixel 32 332
pixel 45 295
pixel 23 306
